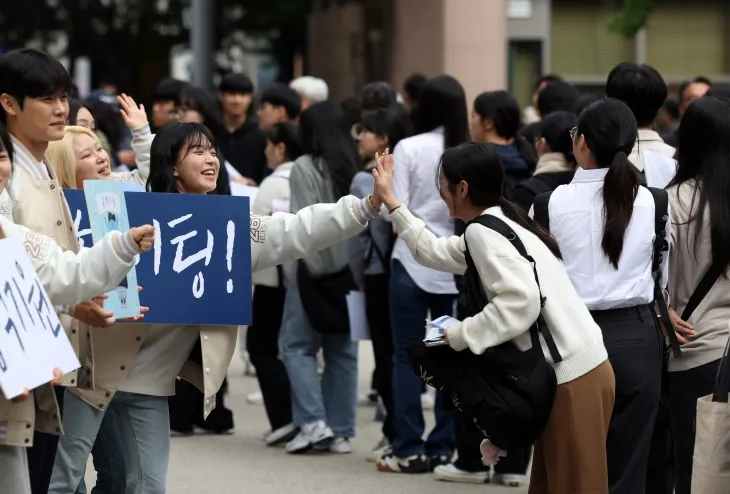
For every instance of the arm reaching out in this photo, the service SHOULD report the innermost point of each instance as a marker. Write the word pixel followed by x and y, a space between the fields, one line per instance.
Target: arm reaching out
pixel 70 278
pixel 285 237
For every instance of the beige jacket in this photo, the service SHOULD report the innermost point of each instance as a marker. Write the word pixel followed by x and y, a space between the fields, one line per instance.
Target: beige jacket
pixel 68 278
pixel 274 240
pixel 38 203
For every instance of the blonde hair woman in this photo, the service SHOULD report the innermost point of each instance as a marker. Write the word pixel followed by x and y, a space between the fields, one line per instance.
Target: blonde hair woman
pixel 80 155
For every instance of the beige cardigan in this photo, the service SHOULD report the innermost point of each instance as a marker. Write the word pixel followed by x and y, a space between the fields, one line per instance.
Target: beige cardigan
pixel 687 266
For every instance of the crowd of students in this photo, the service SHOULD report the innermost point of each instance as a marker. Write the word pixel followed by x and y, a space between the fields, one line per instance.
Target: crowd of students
pixel 591 171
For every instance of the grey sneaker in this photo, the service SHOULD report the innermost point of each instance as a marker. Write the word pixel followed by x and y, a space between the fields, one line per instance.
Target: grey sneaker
pixel 312 434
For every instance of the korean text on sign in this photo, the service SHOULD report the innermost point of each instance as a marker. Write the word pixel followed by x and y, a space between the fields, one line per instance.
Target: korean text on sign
pixel 32 340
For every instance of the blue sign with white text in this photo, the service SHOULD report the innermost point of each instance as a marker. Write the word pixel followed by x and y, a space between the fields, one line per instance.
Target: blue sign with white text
pixel 199 270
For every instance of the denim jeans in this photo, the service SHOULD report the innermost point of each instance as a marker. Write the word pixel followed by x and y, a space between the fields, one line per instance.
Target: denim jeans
pixel 334 398
pixel 143 426
pixel 408 308
pixel 14 474
pixel 108 456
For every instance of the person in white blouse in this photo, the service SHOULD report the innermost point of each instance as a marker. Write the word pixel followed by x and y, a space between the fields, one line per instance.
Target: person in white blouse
pixel 570 455
pixel 604 223
pixel 441 123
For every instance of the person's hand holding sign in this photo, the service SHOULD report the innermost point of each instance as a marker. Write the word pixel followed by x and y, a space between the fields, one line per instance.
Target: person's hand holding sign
pixel 56 381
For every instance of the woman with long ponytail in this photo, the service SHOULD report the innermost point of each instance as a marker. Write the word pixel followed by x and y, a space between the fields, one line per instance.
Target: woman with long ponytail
pixel 604 223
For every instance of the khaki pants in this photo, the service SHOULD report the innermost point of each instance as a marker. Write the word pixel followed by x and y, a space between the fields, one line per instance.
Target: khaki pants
pixel 570 456
pixel 14 477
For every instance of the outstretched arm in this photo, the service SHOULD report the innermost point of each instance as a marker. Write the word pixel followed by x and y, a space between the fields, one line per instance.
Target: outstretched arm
pixel 285 237
pixel 70 278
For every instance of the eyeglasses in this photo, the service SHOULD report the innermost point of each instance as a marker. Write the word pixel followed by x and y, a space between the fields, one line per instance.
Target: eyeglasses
pixel 573 132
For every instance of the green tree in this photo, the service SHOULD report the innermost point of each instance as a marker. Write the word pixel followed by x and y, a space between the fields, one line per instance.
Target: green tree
pixel 632 18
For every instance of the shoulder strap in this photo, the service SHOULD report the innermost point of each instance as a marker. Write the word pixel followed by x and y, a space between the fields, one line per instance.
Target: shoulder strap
pixel 540 210
pixel 499 226
pixel 703 288
pixel 535 185
pixel 661 215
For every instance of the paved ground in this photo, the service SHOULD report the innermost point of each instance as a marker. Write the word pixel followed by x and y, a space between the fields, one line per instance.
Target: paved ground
pixel 241 464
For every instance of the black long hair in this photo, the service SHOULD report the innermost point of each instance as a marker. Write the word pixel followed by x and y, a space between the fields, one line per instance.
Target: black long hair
pixel 555 129
pixel 503 110
pixel 703 154
pixel 479 165
pixel 442 103
pixel 169 147
pixel 392 123
pixel 324 133
pixel 201 101
pixel 74 106
pixel 610 130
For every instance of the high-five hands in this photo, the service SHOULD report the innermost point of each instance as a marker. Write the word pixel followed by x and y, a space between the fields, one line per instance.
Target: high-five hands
pixel 135 117
pixel 383 175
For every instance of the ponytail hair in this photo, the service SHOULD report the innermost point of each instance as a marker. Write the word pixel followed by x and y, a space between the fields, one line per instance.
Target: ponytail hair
pixel 610 131
pixel 519 216
pixel 526 150
pixel 619 192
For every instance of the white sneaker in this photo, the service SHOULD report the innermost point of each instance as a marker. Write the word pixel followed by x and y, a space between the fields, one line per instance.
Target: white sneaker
pixel 281 435
pixel 381 449
pixel 509 479
pixel 340 446
pixel 311 435
pixel 255 399
pixel 428 401
pixel 266 434
pixel 449 473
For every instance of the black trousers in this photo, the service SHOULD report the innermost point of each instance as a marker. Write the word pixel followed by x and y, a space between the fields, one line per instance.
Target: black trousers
pixel 186 407
pixel 469 458
pixel 377 311
pixel 660 472
pixel 43 453
pixel 685 387
pixel 632 339
pixel 262 343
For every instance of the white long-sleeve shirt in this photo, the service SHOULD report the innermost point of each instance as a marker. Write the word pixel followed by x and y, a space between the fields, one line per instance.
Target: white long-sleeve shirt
pixel 577 221
pixel 416 161
pixel 514 297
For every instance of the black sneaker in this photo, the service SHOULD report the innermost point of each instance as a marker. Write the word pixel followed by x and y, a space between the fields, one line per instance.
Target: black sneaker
pixel 412 464
pixel 438 460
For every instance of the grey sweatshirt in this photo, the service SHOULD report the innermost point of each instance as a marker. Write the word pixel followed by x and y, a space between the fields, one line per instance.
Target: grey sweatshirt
pixel 379 232
pixel 310 186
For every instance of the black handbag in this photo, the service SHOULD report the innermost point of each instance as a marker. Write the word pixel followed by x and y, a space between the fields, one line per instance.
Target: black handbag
pixel 324 298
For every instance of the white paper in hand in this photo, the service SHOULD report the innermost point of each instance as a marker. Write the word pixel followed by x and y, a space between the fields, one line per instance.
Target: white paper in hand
pixel 359 329
pixel 437 328
pixel 32 340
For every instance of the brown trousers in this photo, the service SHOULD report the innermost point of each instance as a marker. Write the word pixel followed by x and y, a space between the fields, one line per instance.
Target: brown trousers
pixel 570 455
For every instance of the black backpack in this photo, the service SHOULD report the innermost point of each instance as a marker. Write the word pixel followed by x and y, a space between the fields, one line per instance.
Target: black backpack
pixel 507 394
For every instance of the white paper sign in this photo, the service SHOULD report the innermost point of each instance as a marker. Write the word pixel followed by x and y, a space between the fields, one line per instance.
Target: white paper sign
pixel 359 329
pixel 32 340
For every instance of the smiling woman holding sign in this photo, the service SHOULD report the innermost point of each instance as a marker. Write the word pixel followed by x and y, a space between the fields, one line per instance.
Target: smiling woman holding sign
pixel 183 160
pixel 68 278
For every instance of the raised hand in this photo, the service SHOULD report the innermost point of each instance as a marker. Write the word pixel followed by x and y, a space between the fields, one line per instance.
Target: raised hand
pixel 134 116
pixel 144 236
pixel 383 175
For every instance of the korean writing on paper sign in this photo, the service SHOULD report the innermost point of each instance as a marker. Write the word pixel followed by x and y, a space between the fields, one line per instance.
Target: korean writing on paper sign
pixel 32 340
pixel 199 270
